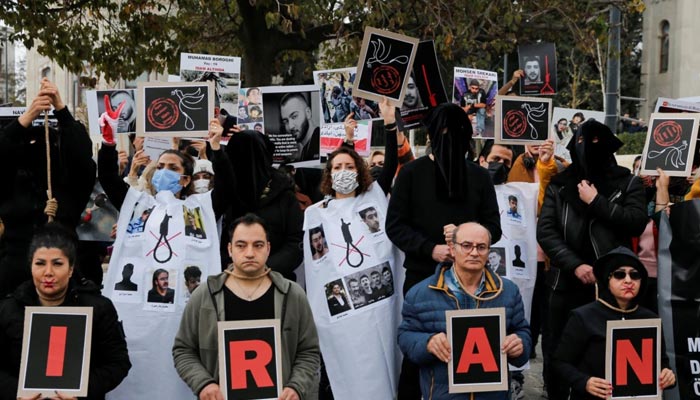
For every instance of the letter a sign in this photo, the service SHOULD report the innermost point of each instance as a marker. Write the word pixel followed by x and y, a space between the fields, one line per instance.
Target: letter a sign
pixel 476 363
pixel 55 351
pixel 250 359
pixel 632 358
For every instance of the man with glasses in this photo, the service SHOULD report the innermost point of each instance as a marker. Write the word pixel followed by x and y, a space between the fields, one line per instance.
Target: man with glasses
pixel 464 284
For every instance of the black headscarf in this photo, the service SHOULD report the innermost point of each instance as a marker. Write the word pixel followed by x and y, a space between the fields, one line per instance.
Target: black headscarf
pixel 450 131
pixel 608 263
pixel 592 150
pixel 250 153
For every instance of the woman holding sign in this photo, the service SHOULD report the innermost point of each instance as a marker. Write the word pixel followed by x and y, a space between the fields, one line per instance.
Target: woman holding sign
pixel 580 357
pixel 344 245
pixel 53 254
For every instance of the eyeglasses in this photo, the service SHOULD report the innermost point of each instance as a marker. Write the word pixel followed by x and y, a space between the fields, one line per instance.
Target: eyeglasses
pixel 621 274
pixel 467 247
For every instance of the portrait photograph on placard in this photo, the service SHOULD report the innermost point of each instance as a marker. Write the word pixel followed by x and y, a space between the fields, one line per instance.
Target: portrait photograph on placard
pixel 224 71
pixel 424 89
pixel 539 62
pixel 97 100
pixel 670 144
pixel 476 361
pixel 633 358
pixel 386 59
pixel 522 120
pixel 475 91
pixel 292 123
pixel 174 108
pixel 55 351
pixel 250 359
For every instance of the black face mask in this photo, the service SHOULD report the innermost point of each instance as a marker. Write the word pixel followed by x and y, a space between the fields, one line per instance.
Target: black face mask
pixel 376 171
pixel 498 172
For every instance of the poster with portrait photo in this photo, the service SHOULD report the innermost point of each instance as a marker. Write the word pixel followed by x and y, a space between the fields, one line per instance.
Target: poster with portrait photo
pixel 539 62
pixel 386 61
pixel 250 99
pixel 317 242
pixel 56 347
pixel 194 222
pixel 158 289
pixel 522 120
pixel 138 219
pixel 337 102
pixel 514 209
pixel 475 91
pixel 565 122
pixel 369 286
pixel 497 260
pixel 338 297
pixel 95 100
pixel 130 287
pixel 424 89
pixel 191 279
pixel 371 218
pixel 98 217
pixel 291 122
pixel 516 266
pixel 670 144
pixel 174 109
pixel 224 71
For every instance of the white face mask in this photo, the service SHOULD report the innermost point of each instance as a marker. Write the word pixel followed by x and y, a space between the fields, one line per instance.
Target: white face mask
pixel 344 181
pixel 201 185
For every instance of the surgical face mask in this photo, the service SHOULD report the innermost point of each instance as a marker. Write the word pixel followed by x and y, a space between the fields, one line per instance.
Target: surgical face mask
pixel 201 185
pixel 344 181
pixel 498 172
pixel 165 179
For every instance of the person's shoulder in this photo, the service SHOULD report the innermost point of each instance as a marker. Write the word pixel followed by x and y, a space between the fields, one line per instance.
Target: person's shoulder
pixel 476 170
pixel 418 163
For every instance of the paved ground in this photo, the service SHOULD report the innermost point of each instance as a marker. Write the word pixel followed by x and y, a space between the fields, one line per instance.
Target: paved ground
pixel 533 378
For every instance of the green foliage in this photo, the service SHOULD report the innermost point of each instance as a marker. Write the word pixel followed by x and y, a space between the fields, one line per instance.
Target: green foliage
pixel 633 142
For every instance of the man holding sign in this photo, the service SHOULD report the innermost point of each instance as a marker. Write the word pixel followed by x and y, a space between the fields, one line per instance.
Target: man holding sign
pixel 248 290
pixel 466 284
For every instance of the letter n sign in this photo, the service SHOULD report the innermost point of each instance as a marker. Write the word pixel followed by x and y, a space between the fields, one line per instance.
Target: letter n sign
pixel 632 358
pixel 55 351
pixel 250 359
pixel 476 363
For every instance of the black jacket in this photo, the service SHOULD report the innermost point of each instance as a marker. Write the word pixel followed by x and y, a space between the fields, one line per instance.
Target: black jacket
pixel 571 233
pixel 109 359
pixel 23 196
pixel 416 215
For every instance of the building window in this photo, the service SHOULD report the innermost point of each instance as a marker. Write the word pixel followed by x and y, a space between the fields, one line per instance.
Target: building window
pixel 665 29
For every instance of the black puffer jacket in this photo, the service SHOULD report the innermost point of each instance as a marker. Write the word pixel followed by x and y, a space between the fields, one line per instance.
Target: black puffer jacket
pixel 109 359
pixel 571 233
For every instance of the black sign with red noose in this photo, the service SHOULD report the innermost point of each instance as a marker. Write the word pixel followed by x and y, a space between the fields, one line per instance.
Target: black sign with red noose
pixel 670 144
pixel 522 120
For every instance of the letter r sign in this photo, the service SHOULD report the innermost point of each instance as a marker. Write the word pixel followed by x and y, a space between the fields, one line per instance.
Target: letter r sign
pixel 476 363
pixel 250 360
pixel 633 354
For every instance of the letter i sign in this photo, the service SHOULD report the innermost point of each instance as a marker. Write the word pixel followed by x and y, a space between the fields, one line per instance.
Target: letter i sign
pixel 476 363
pixel 633 352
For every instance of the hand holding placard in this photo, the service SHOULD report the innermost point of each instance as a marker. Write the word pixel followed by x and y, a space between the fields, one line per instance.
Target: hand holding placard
pixel 439 347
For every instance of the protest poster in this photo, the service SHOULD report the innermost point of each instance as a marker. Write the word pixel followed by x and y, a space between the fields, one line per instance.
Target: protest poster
pixel 475 91
pixel 539 62
pixel 386 60
pixel 224 71
pixel 670 144
pixel 291 115
pixel 678 282
pixel 354 276
pixel 97 219
pixel 250 110
pixel 155 146
pixel 181 109
pixel 424 89
pixel 250 359
pixel 158 238
pixel 522 120
pixel 565 121
pixel 666 105
pixel 633 358
pixel 476 361
pixel 96 101
pixel 55 351
pixel 336 104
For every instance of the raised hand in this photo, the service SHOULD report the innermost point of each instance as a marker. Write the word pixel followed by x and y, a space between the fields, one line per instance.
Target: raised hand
pixel 109 120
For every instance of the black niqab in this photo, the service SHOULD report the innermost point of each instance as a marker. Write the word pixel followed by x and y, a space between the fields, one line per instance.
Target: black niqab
pixel 250 153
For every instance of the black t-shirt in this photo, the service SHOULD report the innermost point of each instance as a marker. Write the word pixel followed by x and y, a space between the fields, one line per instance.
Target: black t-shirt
pixel 472 99
pixel 238 309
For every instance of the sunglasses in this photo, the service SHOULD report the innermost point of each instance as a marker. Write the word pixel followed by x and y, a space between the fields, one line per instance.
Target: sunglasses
pixel 621 274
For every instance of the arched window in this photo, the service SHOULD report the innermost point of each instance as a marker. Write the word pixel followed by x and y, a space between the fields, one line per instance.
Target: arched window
pixel 665 29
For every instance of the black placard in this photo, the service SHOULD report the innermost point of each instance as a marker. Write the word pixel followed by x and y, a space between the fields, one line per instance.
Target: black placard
pixel 182 108
pixel 522 120
pixel 670 144
pixel 424 90
pixel 632 358
pixel 539 62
